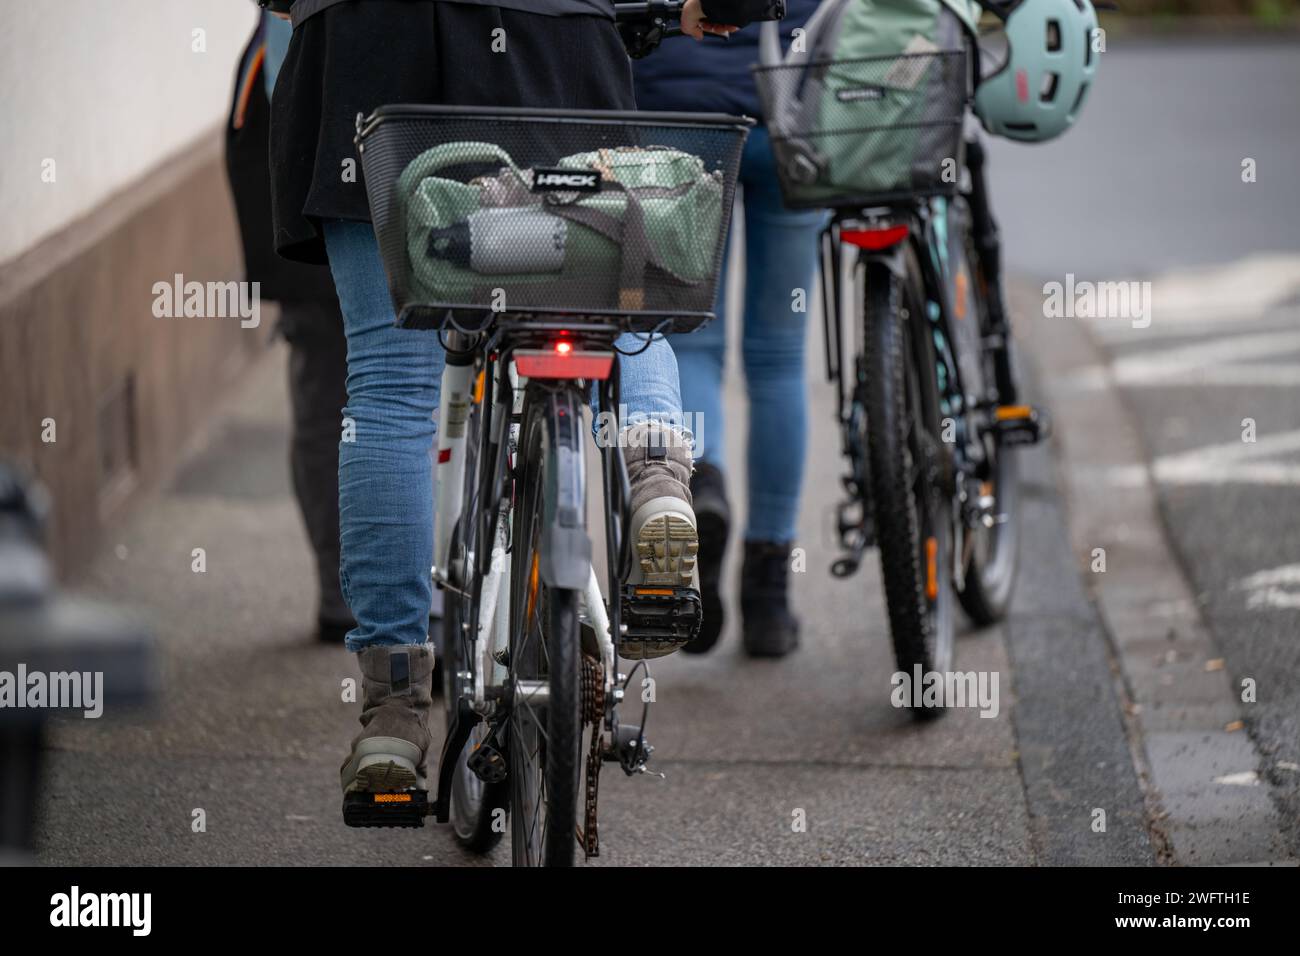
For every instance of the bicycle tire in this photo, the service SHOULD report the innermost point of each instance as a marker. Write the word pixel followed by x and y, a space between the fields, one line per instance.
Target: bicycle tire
pixel 472 814
pixel 545 761
pixel 474 803
pixel 899 384
pixel 988 584
pixel 989 567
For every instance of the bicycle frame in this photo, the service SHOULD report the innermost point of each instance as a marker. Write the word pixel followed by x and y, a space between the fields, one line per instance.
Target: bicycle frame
pixel 882 234
pixel 483 374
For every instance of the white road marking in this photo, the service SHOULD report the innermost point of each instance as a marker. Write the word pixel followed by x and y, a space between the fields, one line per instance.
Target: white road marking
pixel 1274 598
pixel 1284 574
pixel 1275 588
pixel 1235 292
pixel 1229 463
pixel 1214 362
pixel 1247 778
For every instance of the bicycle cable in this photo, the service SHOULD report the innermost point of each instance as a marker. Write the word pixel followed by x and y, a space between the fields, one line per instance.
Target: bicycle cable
pixel 650 337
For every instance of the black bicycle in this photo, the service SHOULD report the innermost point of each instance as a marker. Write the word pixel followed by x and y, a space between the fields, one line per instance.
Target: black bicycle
pixel 918 345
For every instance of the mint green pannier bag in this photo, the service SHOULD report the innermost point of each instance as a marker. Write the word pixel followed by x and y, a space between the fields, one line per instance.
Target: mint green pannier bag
pixel 657 213
pixel 869 104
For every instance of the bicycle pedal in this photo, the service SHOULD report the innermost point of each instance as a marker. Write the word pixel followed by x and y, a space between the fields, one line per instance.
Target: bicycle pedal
pixel 658 615
pixel 403 808
pixel 487 763
pixel 1021 424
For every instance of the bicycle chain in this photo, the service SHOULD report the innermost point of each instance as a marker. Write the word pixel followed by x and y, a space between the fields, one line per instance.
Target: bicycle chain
pixel 593 712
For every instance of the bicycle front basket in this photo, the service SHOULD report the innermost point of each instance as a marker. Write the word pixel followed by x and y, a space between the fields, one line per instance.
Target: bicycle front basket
pixel 616 215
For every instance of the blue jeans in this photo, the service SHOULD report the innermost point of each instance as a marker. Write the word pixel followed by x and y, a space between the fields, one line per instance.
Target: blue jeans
pixel 276 35
pixel 780 258
pixel 386 504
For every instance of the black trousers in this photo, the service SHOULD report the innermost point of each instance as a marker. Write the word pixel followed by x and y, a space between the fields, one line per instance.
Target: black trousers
pixel 318 369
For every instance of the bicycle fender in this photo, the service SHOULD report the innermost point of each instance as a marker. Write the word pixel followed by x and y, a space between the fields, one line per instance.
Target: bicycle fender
pixel 891 258
pixel 565 558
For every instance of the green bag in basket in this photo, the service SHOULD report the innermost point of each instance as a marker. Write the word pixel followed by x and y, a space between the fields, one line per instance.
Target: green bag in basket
pixel 653 221
pixel 871 101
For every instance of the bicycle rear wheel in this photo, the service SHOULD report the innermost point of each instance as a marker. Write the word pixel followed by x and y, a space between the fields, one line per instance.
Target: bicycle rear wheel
pixel 545 722
pixel 910 470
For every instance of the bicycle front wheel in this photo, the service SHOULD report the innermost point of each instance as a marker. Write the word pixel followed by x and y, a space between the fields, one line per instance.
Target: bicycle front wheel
pixel 993 550
pixel 545 717
pixel 477 809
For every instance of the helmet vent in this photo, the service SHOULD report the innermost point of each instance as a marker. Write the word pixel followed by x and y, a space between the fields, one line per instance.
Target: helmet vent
pixel 1087 47
pixel 1047 91
pixel 1053 36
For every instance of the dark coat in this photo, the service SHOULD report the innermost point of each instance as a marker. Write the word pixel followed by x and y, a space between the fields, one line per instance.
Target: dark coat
pixel 247 165
pixel 681 76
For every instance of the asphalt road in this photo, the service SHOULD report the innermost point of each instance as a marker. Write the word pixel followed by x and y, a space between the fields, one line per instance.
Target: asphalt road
pixel 252 727
pixel 1149 187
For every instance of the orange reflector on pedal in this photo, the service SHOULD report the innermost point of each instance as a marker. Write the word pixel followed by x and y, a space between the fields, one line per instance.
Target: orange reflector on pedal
pixel 1009 412
pixel 931 568
pixel 563 362
pixel 668 592
pixel 392 798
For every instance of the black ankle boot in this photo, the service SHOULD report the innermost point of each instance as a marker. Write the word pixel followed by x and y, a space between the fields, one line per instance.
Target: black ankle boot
pixel 713 521
pixel 770 630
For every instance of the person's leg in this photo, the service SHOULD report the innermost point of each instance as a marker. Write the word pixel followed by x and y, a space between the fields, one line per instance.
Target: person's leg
pixel 781 259
pixel 701 360
pixel 318 370
pixel 655 442
pixel 385 514
pixel 385 465
pixel 648 380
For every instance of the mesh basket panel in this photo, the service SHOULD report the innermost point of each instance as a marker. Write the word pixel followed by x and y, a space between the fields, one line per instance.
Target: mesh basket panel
pixel 869 130
pixel 614 215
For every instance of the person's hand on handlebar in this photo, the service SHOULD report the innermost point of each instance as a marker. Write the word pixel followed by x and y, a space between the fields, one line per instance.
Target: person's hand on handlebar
pixel 695 24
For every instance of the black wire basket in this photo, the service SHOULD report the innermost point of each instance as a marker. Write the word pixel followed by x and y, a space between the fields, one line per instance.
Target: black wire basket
pixel 617 216
pixel 867 131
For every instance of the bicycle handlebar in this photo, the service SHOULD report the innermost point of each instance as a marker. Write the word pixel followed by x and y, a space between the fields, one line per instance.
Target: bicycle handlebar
pixel 646 24
pixel 647 8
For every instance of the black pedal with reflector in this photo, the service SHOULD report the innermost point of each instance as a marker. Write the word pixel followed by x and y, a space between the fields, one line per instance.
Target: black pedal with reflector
pixel 487 763
pixel 661 613
pixel 1021 425
pixel 404 808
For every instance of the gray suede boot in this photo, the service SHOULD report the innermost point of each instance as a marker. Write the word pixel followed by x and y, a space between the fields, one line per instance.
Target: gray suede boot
pixel 390 752
pixel 663 522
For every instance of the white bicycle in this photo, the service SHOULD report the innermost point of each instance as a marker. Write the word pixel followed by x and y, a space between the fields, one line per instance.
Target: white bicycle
pixel 531 642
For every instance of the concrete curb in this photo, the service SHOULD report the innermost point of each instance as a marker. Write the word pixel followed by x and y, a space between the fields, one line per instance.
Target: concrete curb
pixel 1181 701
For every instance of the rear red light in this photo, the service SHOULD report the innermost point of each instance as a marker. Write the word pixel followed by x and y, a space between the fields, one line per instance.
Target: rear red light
pixel 880 237
pixel 563 362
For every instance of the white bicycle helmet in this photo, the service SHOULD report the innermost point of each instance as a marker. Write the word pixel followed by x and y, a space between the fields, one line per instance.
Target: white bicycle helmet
pixel 1034 87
